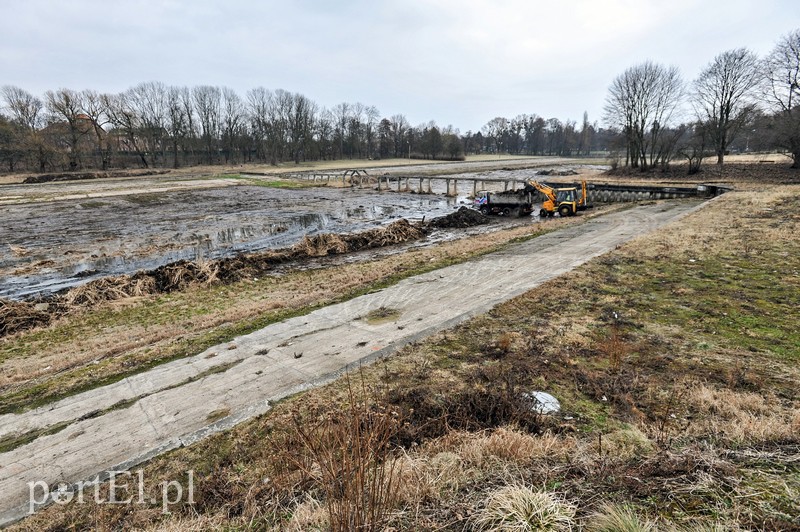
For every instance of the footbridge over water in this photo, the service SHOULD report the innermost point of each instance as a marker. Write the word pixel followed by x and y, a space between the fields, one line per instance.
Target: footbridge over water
pixel 598 192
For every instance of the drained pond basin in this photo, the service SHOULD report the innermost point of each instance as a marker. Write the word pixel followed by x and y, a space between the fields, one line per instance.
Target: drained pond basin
pixel 48 246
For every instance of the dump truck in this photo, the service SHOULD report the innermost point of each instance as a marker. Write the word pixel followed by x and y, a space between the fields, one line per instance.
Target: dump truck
pixel 508 203
pixel 566 201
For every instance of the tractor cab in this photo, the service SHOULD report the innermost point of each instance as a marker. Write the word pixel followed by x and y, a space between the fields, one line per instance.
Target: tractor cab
pixel 566 195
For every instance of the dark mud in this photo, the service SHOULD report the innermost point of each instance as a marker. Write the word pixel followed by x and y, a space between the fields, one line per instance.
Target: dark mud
pixel 80 176
pixel 50 246
pixel 463 217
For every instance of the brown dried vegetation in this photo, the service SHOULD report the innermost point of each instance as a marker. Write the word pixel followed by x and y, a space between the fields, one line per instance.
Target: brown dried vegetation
pixel 685 418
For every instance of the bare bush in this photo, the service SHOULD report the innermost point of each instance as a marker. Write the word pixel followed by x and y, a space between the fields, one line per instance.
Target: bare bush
pixel 348 455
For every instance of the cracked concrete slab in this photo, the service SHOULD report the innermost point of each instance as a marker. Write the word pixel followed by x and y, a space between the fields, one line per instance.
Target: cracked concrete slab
pixel 177 403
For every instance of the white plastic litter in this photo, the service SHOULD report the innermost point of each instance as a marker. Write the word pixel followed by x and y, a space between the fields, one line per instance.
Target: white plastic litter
pixel 543 402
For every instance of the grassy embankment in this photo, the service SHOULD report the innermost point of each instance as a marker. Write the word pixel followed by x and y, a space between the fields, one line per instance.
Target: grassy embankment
pixel 675 359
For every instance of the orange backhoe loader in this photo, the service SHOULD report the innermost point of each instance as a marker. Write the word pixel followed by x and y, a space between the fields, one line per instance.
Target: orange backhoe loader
pixel 564 201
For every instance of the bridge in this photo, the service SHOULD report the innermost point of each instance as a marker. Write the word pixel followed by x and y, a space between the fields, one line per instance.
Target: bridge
pixel 598 192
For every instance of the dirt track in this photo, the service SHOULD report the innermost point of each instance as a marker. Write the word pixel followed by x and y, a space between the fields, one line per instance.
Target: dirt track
pixel 178 403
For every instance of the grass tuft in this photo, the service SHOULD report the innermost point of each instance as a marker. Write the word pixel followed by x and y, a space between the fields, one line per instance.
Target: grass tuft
pixel 618 518
pixel 521 508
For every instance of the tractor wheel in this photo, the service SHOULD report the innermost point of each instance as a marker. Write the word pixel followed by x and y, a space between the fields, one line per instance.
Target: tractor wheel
pixel 542 213
pixel 564 211
pixel 484 210
pixel 506 212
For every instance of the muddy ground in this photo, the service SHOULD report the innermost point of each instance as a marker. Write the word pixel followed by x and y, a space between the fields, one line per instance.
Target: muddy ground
pixel 52 245
pixel 61 234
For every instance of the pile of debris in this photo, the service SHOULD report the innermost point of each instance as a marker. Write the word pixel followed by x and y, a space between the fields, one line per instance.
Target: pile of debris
pixel 463 217
pixel 17 316
pixel 562 172
pixel 21 315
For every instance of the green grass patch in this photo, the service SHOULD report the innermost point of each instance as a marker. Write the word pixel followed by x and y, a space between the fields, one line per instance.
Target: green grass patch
pixel 382 315
pixel 9 443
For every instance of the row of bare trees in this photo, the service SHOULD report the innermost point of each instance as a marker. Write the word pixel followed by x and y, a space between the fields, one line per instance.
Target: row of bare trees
pixel 737 102
pixel 736 95
pixel 153 125
pixel 534 135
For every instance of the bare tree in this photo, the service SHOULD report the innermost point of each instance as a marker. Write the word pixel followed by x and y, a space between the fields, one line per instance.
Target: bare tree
pixel 782 74
pixel 94 106
pixel 324 134
pixel 25 108
pixel 692 144
pixel 400 127
pixel 233 117
pixel 723 96
pixel 66 107
pixel 207 103
pixel 341 113
pixel 585 136
pixel 371 116
pixel 177 120
pixel 187 102
pixel 128 122
pixel 258 102
pixel 301 126
pixel 355 129
pixel 280 118
pixel 495 130
pixel 149 102
pixel 641 102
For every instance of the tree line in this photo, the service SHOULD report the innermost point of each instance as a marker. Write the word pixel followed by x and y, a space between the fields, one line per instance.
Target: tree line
pixel 155 125
pixel 739 102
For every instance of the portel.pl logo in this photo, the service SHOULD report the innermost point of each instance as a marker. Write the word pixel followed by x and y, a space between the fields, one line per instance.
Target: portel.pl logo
pixel 124 487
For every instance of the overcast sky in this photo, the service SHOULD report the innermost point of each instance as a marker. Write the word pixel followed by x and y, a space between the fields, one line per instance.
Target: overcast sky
pixel 459 62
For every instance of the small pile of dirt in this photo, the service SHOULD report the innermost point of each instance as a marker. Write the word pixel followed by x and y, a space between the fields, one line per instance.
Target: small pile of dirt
pixel 21 315
pixel 463 217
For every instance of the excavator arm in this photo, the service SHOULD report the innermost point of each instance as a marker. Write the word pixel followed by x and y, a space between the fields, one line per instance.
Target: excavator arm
pixel 548 191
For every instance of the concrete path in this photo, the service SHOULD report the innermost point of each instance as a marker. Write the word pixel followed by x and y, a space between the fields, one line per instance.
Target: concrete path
pixel 121 425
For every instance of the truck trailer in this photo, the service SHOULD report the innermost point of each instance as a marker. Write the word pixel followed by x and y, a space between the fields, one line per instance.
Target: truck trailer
pixel 508 203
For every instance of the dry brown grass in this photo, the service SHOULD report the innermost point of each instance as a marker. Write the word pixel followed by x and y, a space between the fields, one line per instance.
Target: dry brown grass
pixel 512 445
pixel 742 418
pixel 731 452
pixel 520 508
pixel 695 238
